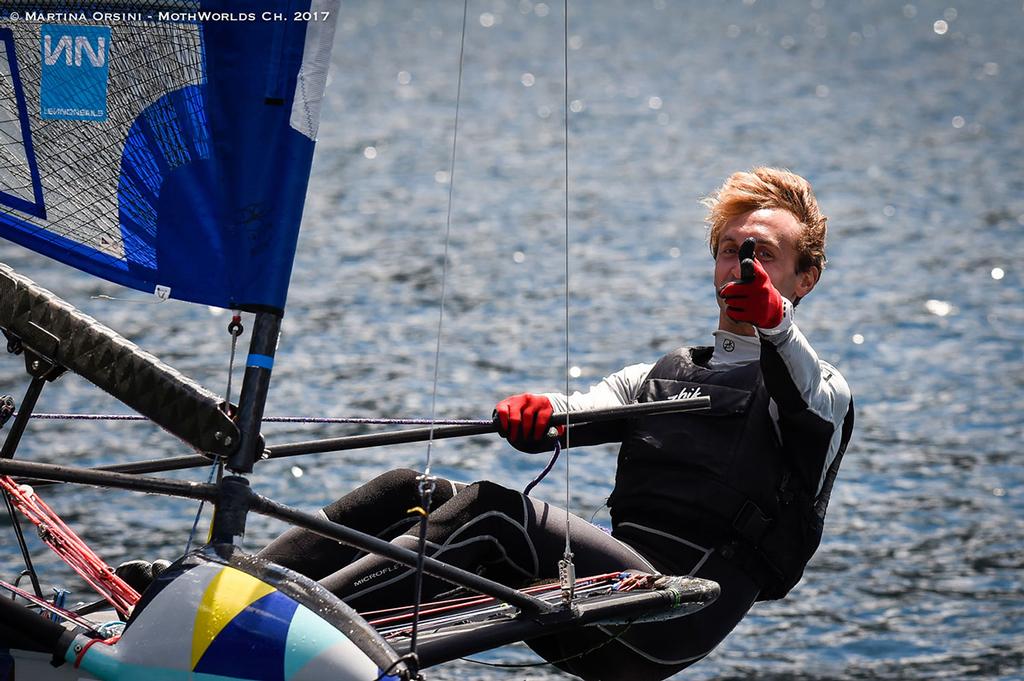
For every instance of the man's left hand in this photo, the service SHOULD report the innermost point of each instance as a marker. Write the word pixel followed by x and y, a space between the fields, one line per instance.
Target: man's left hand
pixel 756 302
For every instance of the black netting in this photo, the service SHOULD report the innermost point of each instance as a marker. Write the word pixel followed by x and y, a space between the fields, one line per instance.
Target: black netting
pixel 84 164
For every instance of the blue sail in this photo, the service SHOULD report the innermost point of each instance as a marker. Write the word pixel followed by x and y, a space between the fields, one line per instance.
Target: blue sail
pixel 165 146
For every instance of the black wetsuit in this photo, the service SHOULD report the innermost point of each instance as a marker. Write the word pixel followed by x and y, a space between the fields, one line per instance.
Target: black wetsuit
pixel 515 539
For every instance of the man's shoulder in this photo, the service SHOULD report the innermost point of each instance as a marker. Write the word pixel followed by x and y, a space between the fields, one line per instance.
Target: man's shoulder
pixel 834 378
pixel 694 353
pixel 682 356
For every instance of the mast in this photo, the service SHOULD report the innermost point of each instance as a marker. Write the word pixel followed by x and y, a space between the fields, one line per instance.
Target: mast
pixel 235 496
pixel 255 384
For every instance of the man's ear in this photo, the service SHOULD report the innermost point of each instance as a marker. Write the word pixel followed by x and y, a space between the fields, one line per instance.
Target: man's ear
pixel 806 281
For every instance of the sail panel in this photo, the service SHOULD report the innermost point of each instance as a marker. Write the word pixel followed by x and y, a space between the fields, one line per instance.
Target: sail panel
pixel 171 150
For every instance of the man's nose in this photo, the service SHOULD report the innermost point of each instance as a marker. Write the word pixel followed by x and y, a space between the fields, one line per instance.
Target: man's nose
pixel 734 267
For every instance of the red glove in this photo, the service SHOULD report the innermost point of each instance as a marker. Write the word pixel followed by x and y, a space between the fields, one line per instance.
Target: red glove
pixel 523 419
pixel 756 302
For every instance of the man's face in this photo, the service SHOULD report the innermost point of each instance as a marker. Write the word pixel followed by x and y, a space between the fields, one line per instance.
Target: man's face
pixel 777 233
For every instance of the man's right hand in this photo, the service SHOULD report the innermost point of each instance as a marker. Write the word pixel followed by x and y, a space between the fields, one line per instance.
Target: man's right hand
pixel 523 419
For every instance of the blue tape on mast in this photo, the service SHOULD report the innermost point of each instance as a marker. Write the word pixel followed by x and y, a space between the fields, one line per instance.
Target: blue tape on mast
pixel 260 361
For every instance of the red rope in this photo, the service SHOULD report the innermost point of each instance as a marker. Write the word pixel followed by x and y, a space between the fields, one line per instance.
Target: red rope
pixel 466 602
pixel 43 604
pixel 70 547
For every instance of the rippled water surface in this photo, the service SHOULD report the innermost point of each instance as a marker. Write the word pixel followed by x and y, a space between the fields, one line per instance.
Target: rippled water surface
pixel 906 118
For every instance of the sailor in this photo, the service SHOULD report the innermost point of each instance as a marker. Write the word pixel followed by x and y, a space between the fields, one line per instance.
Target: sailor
pixel 736 494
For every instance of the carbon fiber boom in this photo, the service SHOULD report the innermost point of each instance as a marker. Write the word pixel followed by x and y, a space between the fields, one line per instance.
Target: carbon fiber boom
pixel 56 330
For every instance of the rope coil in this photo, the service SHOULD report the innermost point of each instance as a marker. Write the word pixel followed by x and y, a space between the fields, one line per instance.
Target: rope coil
pixel 70 547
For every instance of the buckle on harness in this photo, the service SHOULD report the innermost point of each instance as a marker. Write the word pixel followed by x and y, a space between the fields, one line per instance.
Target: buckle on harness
pixel 751 523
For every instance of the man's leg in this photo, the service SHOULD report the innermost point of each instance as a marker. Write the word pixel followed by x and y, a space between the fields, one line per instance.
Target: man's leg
pixel 657 650
pixel 380 507
pixel 489 529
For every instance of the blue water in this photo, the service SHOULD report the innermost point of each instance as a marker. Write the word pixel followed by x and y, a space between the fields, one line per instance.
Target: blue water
pixel 911 132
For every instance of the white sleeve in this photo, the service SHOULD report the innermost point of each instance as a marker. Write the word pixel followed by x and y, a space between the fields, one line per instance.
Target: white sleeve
pixel 615 390
pixel 805 387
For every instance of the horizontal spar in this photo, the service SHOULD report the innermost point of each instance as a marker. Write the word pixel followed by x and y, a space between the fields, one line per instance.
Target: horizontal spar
pixel 33 472
pixel 407 557
pixel 441 432
pixel 409 435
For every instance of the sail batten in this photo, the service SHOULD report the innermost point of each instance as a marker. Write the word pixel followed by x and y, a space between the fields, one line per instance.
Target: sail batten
pixel 168 155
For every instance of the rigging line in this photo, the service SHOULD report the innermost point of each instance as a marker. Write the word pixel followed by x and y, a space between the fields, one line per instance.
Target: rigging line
pixel 447 232
pixel 488 425
pixel 547 469
pixel 69 546
pixel 359 420
pixel 235 329
pixel 49 607
pixel 427 481
pixel 568 455
pixel 214 470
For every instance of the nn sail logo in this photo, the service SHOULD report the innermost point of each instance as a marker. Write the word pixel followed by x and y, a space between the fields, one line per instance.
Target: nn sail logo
pixel 75 70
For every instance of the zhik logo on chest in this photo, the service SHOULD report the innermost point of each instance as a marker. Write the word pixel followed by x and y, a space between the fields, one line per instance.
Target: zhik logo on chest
pixel 688 393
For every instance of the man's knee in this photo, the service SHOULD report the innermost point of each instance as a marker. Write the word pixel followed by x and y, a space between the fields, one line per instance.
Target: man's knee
pixel 395 477
pixel 486 490
pixel 487 495
pixel 479 502
pixel 396 486
pixel 401 480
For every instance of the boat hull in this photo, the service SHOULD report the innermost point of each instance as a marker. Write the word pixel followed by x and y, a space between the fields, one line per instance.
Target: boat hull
pixel 220 614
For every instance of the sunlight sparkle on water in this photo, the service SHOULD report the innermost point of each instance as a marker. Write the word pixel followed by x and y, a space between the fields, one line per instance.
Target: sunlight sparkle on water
pixel 939 308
